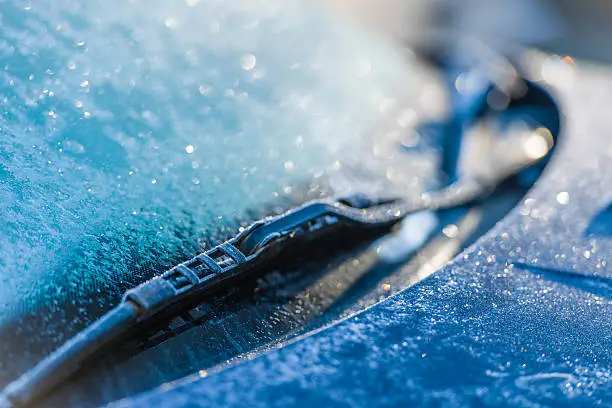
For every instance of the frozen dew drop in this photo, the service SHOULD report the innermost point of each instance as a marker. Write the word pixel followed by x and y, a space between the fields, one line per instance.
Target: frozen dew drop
pixel 563 198
pixel 248 62
pixel 171 22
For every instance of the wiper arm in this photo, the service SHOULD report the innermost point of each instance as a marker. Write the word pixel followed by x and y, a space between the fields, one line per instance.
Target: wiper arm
pixel 257 248
pixel 253 249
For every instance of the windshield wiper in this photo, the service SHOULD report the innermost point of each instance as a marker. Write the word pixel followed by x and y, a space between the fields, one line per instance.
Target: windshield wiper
pixel 266 241
pixel 254 249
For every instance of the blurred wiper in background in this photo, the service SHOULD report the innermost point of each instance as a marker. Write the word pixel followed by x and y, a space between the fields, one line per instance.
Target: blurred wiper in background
pixel 568 27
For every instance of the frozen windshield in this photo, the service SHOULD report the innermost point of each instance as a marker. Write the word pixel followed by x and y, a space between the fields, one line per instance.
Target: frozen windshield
pixel 134 133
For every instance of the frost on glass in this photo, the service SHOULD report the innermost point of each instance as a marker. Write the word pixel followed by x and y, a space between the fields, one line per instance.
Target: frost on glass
pixel 136 132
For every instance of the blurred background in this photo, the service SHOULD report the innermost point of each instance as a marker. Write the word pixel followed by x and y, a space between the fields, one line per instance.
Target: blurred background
pixel 578 28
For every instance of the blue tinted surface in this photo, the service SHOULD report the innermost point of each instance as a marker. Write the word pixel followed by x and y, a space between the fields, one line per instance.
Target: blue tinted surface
pixel 523 318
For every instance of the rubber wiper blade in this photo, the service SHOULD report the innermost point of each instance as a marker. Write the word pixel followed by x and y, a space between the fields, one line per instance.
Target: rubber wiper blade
pixel 258 246
pixel 253 249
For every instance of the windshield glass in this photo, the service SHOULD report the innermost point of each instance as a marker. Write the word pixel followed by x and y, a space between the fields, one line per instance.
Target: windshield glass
pixel 137 133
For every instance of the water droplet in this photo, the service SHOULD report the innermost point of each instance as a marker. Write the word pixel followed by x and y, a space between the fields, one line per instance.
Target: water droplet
pixel 204 89
pixel 248 62
pixel 406 118
pixel 189 149
pixel 536 146
pixel 563 198
pixel 170 22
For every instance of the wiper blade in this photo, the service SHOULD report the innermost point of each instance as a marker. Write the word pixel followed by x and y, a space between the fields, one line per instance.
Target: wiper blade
pixel 253 249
